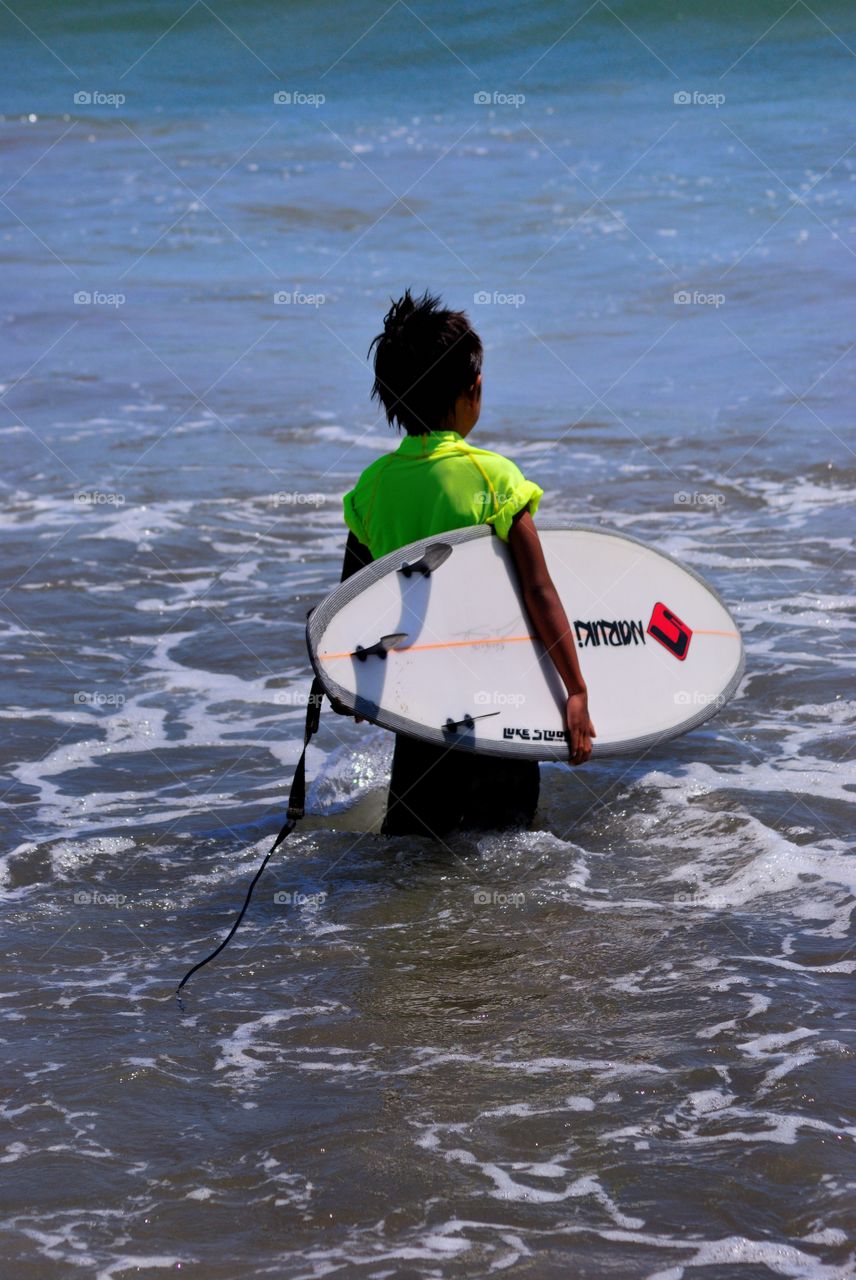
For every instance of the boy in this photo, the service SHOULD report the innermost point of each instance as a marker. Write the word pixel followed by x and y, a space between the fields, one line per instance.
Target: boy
pixel 427 364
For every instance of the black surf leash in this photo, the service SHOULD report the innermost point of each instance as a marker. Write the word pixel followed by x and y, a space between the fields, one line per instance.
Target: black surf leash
pixel 296 809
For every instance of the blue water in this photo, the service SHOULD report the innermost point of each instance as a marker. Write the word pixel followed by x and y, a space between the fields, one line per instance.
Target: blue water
pixel 643 1069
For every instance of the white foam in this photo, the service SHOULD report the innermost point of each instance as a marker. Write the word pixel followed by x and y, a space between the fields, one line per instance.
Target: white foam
pixel 779 1258
pixel 707 1100
pixel 14 1151
pixel 710 1033
pixel 507 1188
pixel 141 1261
pixel 839 966
pixel 364 439
pixel 138 524
pixel 137 727
pixel 792 1062
pixel 762 1046
pixel 236 1051
pixel 606 1068
pixel 827 1235
pixel 753 861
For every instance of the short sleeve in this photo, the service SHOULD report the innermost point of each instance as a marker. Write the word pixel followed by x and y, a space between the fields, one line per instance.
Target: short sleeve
pixel 514 494
pixel 353 521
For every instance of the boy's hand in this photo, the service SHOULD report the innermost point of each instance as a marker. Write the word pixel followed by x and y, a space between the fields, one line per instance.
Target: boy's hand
pixel 343 711
pixel 580 728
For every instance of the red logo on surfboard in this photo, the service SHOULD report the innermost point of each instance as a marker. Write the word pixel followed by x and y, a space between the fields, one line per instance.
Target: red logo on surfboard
pixel 672 634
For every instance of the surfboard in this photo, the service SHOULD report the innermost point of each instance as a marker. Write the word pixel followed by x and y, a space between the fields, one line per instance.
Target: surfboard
pixel 434 641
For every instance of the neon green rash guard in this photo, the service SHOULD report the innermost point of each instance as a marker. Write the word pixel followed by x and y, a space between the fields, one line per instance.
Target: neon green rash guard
pixel 433 483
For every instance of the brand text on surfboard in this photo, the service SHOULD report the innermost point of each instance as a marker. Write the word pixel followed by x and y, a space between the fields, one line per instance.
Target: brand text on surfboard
pixel 606 631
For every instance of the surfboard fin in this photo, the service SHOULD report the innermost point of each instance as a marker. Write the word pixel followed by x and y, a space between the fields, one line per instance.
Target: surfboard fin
pixel 433 556
pixel 381 648
pixel 452 726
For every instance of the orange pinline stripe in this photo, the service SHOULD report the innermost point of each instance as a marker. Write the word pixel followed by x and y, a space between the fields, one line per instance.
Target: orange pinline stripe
pixel 461 644
pixel 442 644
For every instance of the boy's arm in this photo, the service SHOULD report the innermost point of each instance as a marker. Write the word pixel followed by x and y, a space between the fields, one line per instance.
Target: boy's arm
pixel 550 621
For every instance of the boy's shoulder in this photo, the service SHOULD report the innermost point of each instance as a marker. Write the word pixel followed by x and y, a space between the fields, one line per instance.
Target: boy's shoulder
pixel 496 462
pixel 489 456
pixel 369 472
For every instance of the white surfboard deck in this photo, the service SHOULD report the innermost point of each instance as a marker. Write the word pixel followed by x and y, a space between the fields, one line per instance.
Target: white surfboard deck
pixel 659 651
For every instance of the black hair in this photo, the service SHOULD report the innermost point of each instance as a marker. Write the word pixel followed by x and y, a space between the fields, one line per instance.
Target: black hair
pixel 425 358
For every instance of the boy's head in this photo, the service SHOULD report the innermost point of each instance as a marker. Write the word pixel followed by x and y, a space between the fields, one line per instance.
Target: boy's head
pixel 425 361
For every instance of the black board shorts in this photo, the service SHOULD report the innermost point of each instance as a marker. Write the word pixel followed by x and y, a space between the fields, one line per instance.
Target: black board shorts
pixel 435 789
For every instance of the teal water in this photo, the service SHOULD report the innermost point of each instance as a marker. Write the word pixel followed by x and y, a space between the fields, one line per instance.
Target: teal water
pixel 644 1067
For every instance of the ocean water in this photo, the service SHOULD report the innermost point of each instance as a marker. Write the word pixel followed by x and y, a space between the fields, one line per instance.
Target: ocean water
pixel 635 1059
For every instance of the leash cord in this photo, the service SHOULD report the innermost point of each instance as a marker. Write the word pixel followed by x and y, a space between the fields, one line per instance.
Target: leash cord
pixel 296 810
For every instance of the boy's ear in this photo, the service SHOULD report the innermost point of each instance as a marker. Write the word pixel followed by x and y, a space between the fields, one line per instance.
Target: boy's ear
pixel 476 387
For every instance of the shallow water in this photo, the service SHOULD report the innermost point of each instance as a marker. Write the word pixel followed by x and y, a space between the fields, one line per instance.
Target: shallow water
pixel 620 1044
